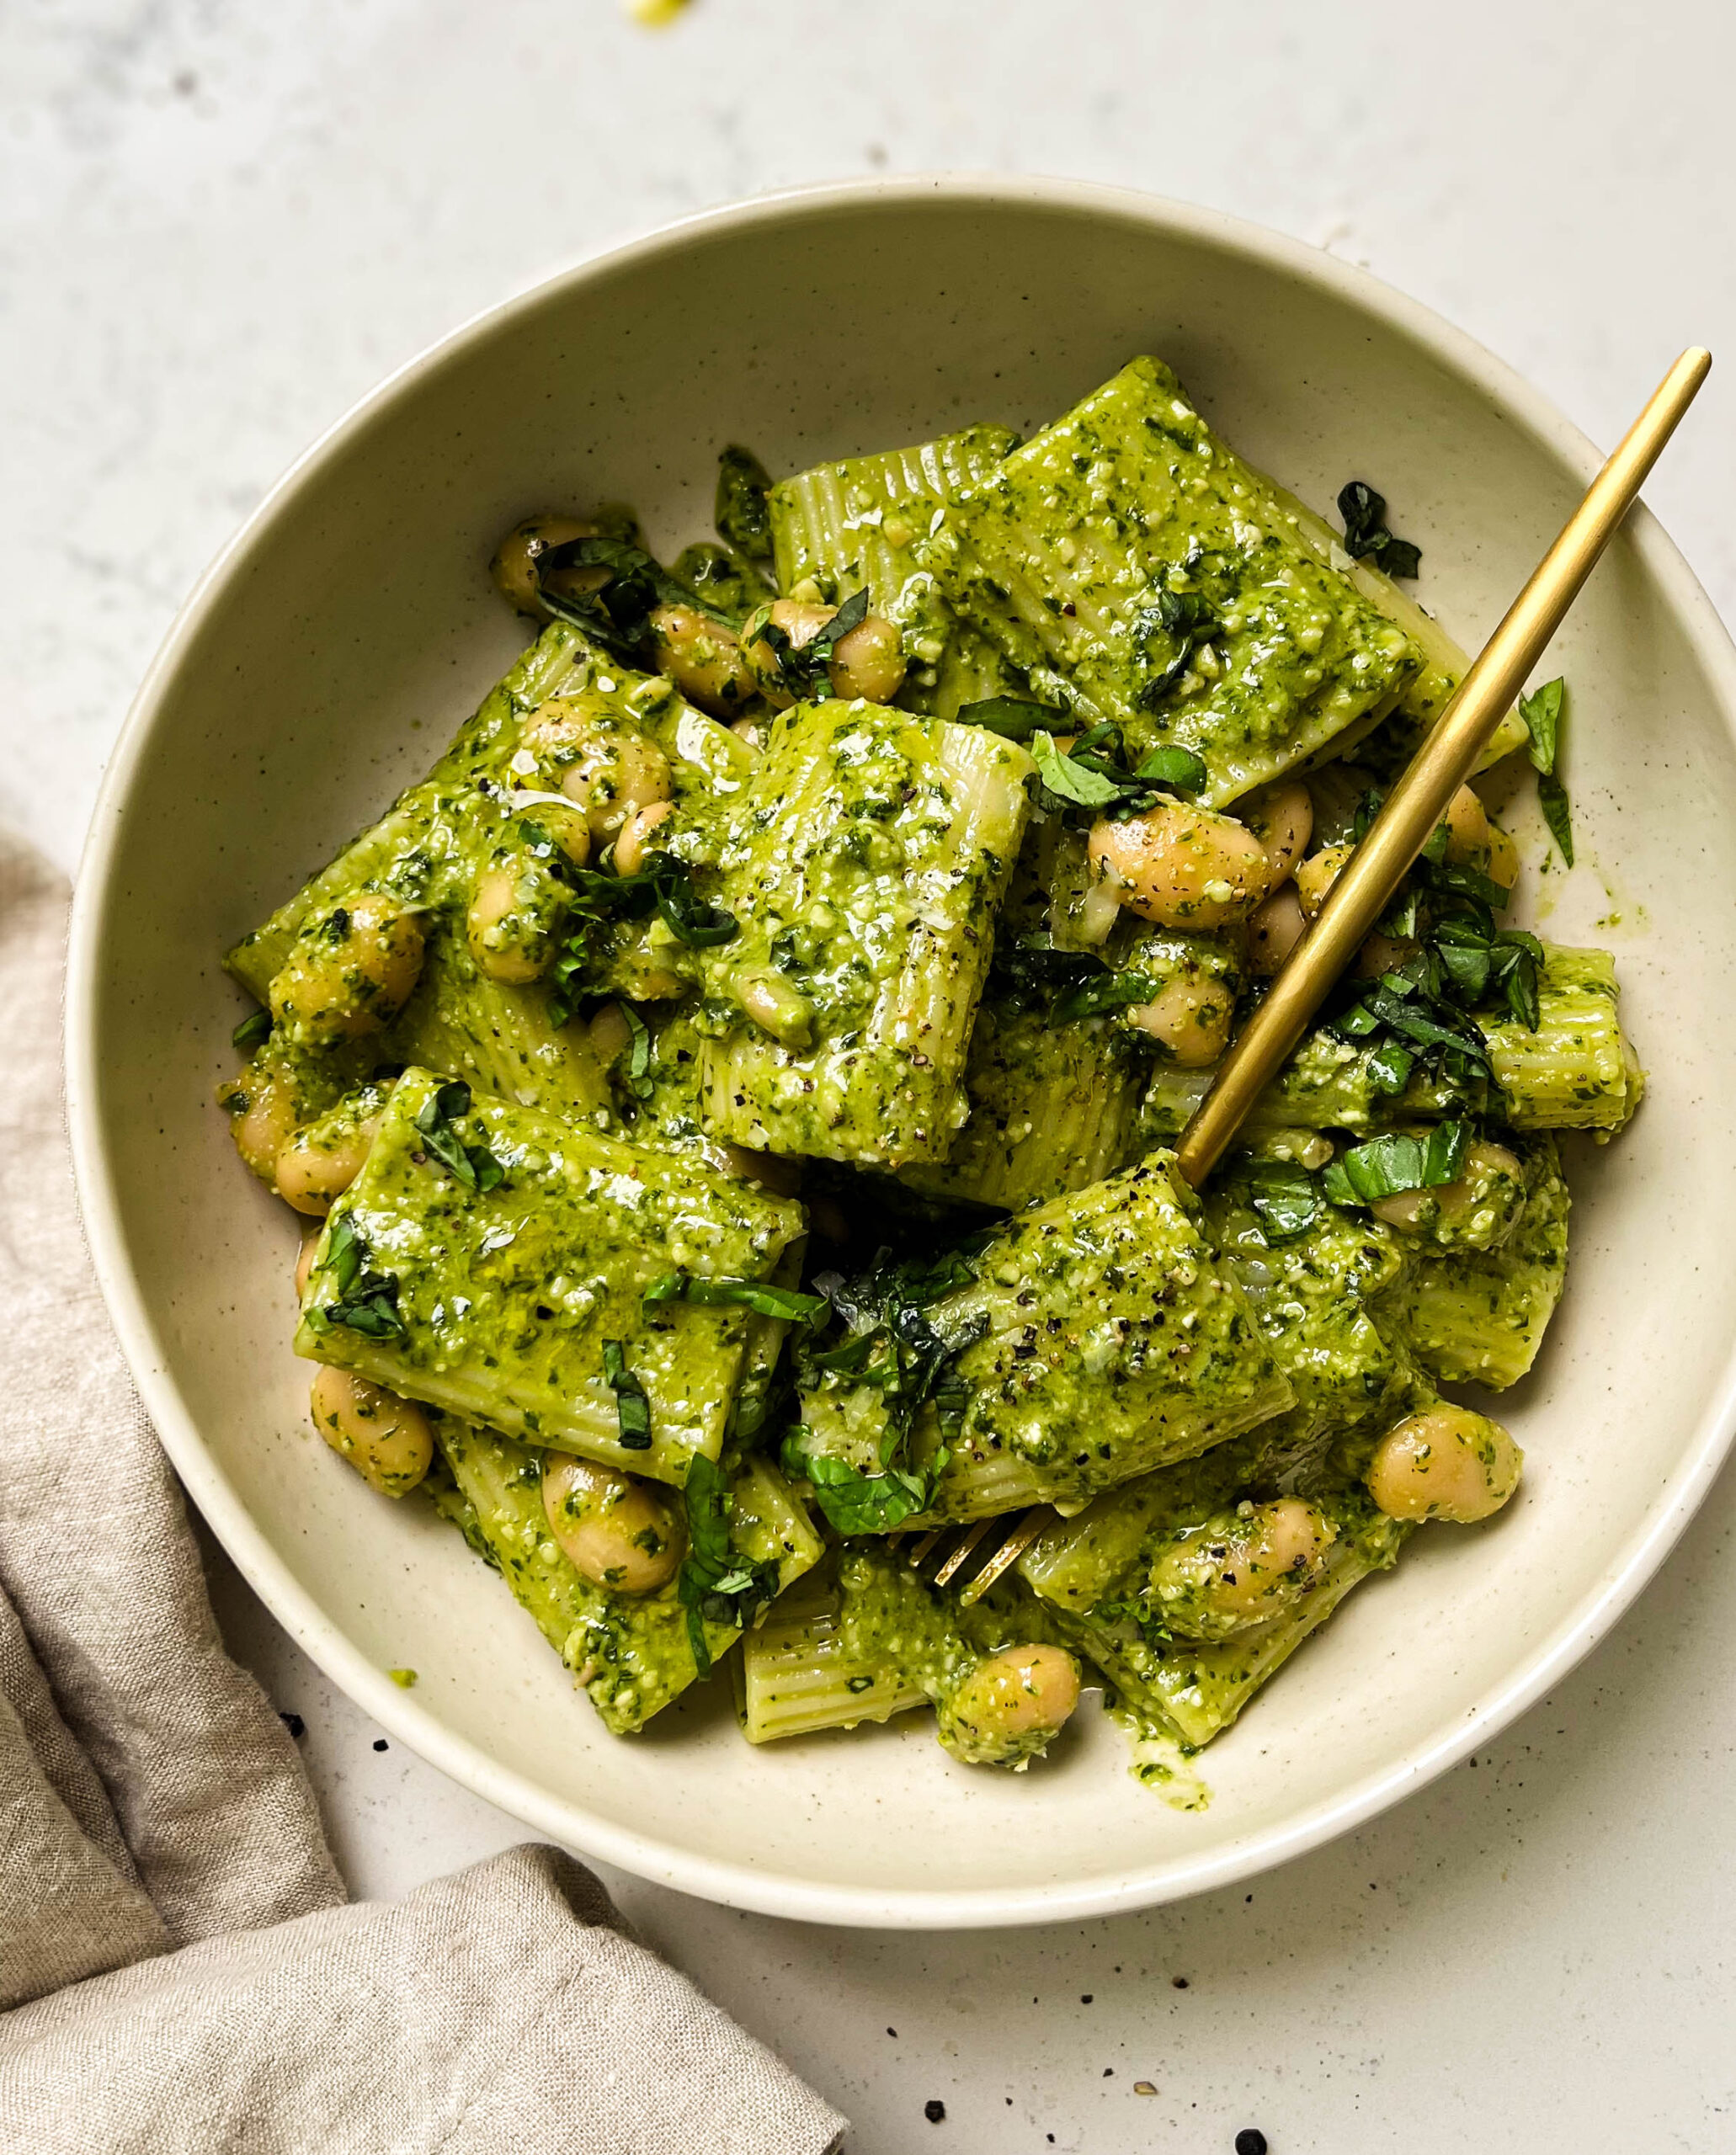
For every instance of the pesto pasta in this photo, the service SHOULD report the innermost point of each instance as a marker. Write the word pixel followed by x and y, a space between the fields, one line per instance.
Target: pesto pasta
pixel 731 1098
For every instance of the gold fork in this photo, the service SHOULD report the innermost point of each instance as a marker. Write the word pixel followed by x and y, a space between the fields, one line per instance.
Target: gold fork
pixel 1361 893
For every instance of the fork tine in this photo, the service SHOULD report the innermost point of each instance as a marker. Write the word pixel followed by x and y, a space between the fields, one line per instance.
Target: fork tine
pixel 961 1550
pixel 924 1549
pixel 1024 1531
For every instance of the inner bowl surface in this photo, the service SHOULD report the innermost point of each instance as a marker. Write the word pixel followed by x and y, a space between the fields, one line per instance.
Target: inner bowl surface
pixel 332 651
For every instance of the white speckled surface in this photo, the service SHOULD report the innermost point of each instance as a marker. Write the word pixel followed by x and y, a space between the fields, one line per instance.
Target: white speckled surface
pixel 223 223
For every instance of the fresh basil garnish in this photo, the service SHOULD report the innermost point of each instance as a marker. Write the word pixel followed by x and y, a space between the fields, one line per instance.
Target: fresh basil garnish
pixel 617 614
pixel 1014 718
pixel 1542 711
pixel 1183 620
pixel 1070 780
pixel 1386 1167
pixel 473 1165
pixel 1286 1198
pixel 715 1584
pixel 1367 537
pixel 1103 991
pixel 365 1301
pixel 855 1503
pixel 632 1407
pixel 741 512
pixel 1178 769
pixel 664 884
pixel 252 1032
pixel 802 667
pixel 756 1294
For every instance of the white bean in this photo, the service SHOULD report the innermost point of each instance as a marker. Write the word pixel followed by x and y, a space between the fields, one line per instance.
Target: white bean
pixel 619 1533
pixel 1183 867
pixel 1446 1463
pixel 386 1439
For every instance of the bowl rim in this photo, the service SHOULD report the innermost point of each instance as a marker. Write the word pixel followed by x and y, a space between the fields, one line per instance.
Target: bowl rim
pixel 734 1883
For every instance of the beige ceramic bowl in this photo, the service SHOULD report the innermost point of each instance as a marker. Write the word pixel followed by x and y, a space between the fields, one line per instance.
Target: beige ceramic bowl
pixel 349 626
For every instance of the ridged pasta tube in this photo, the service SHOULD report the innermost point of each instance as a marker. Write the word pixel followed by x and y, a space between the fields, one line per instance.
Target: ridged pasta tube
pixel 795 1676
pixel 1139 572
pixel 1050 1109
pixel 873 850
pixel 850 526
pixel 1478 1316
pixel 1576 1072
pixel 630 1653
pixel 502 1303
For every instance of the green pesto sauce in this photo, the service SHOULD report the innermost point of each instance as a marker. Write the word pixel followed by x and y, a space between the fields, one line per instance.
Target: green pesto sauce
pixel 507 1297
pixel 863 874
pixel 632 1653
pixel 1066 552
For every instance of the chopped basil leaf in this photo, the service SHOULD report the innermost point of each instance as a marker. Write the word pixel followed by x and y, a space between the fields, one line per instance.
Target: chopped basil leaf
pixel 1014 718
pixel 1389 1067
pixel 1179 768
pixel 1553 800
pixel 1541 713
pixel 639 1081
pixel 252 1032
pixel 1069 780
pixel 618 616
pixel 743 512
pixel 1183 620
pixel 689 917
pixel 715 1585
pixel 365 1301
pixel 664 884
pixel 632 1407
pixel 1365 534
pixel 802 667
pixel 1104 991
pixel 1385 1167
pixel 855 1503
pixel 1285 1197
pixel 756 1295
pixel 474 1165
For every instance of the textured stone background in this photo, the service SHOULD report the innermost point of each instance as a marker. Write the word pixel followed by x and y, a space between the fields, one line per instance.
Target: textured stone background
pixel 221 222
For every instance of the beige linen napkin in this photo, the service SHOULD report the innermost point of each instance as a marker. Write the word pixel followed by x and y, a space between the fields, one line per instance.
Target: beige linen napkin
pixel 183 1971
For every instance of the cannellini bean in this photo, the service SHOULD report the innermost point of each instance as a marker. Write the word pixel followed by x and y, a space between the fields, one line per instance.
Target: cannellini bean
pixel 262 1116
pixel 514 566
pixel 1215 1580
pixel 1446 1463
pixel 1183 867
pixel 613 782
pixel 702 656
pixel 866 661
pixel 1381 954
pixel 1316 875
pixel 1274 927
pixel 1467 829
pixel 314 1170
pixel 386 1439
pixel 349 973
pixel 609 1034
pixel 1281 816
pixel 495 929
pixel 618 1532
pixel 1190 1016
pixel 1010 1698
pixel 629 846
pixel 304 1258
